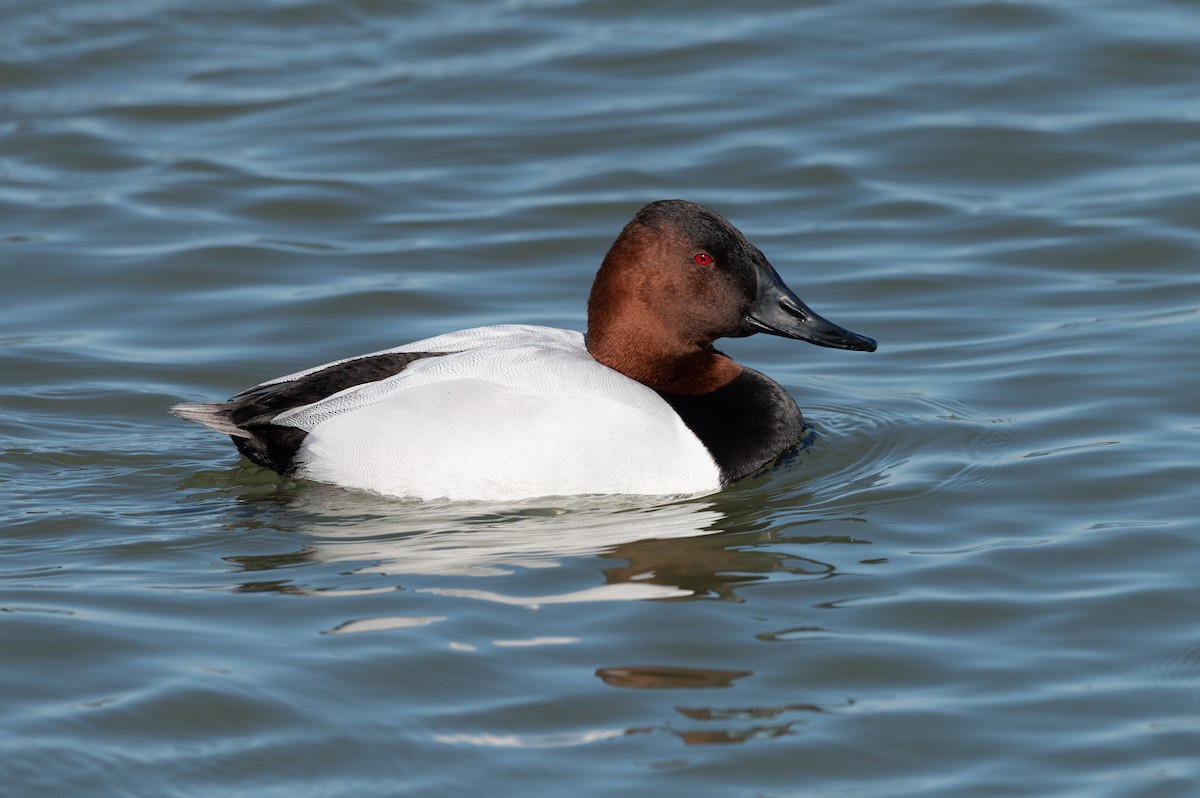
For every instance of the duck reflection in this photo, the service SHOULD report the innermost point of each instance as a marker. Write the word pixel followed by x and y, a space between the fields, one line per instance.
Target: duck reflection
pixel 715 726
pixel 660 677
pixel 586 550
pixel 664 551
pixel 711 566
pixel 739 725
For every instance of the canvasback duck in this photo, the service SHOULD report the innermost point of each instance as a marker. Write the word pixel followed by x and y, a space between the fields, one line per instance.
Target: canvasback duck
pixel 643 404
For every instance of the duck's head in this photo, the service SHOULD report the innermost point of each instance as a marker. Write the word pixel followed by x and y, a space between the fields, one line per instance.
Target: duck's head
pixel 679 276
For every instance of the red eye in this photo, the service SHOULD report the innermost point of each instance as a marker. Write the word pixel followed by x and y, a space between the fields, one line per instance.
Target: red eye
pixel 702 259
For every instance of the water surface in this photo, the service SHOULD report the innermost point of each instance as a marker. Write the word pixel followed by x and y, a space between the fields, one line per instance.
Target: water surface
pixel 979 580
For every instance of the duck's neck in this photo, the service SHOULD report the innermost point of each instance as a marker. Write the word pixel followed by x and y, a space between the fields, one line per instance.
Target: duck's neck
pixel 652 357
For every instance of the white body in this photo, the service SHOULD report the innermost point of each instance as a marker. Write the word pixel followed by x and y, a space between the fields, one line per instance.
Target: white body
pixel 517 411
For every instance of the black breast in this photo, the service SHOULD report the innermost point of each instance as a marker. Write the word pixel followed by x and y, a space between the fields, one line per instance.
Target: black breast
pixel 744 425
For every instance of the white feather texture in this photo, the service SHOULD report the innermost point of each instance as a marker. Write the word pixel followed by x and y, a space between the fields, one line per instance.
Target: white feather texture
pixel 515 412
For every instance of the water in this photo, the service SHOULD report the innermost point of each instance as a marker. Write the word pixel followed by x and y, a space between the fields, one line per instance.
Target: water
pixel 978 581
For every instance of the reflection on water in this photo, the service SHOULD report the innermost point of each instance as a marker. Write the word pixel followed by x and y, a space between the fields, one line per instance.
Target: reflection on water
pixel 718 726
pixel 657 550
pixel 663 550
pixel 483 541
pixel 658 677
pixel 723 725
pixel 708 566
pixel 713 727
pixel 979 580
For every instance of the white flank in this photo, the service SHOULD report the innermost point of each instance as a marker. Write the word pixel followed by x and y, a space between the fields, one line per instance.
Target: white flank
pixel 517 412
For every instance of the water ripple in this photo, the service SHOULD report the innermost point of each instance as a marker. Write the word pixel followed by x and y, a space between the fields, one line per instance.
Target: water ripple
pixel 938 595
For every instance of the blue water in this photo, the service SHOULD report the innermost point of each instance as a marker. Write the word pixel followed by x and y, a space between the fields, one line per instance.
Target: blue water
pixel 979 580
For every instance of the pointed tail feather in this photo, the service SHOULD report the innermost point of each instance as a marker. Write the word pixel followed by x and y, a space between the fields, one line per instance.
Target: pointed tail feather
pixel 214 415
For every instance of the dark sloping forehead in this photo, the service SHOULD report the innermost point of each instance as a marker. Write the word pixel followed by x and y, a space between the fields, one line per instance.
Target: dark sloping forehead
pixel 698 224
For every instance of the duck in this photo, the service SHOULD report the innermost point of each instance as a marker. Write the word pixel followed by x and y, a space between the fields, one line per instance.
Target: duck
pixel 642 404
